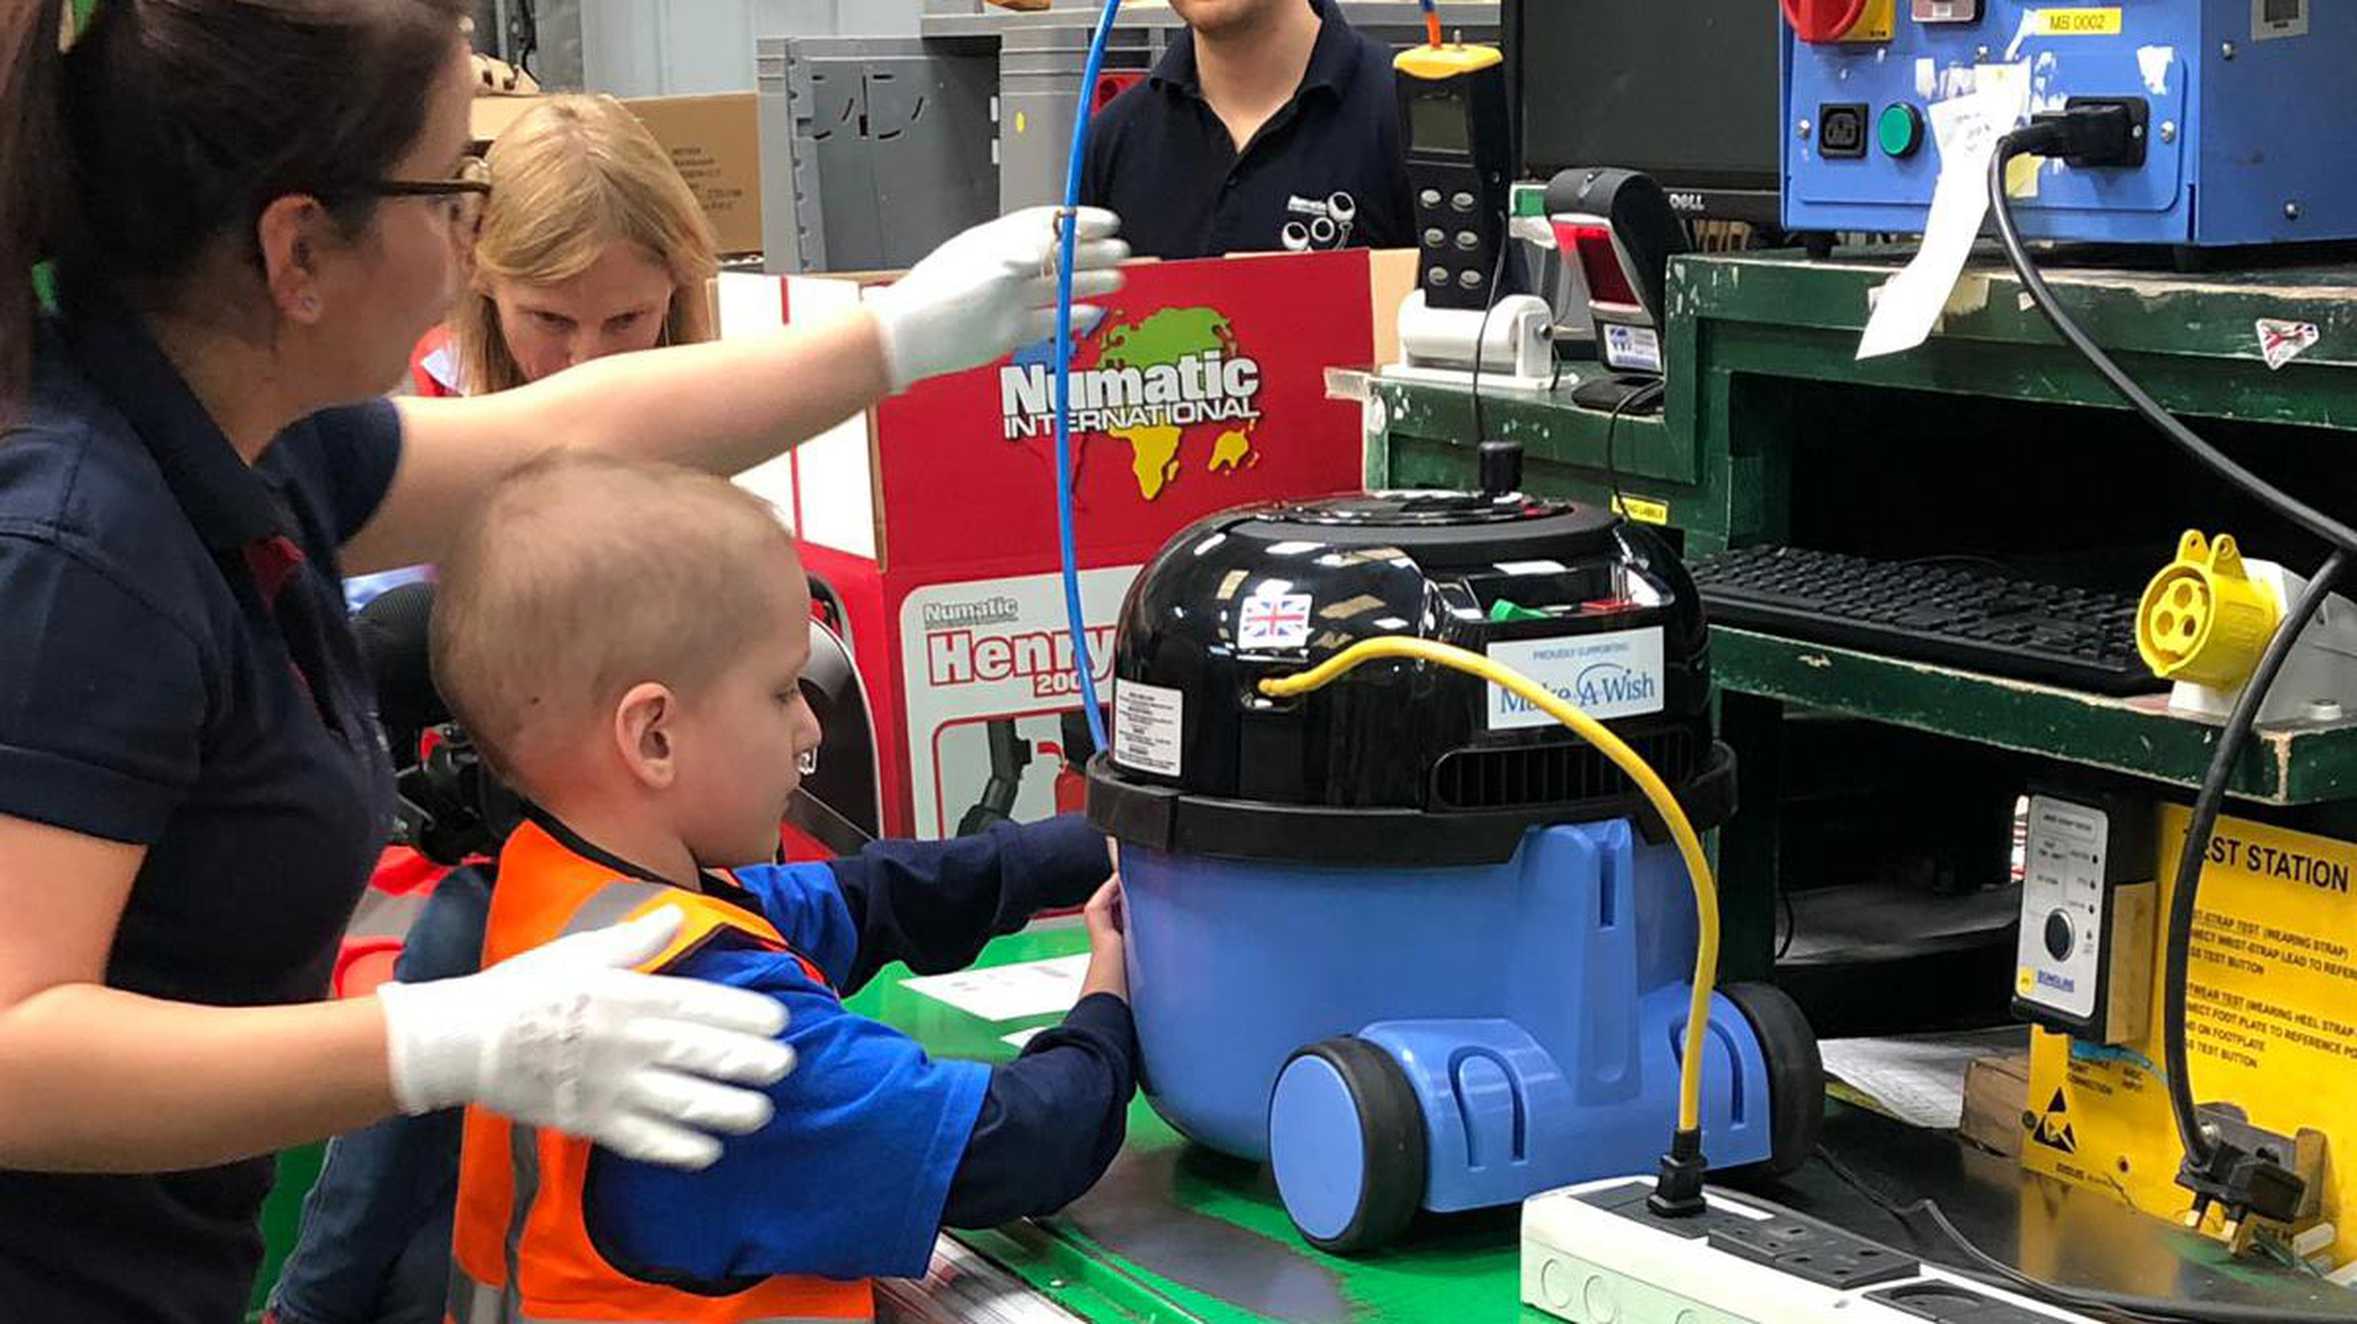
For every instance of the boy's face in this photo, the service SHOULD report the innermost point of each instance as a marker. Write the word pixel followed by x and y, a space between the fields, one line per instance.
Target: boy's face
pixel 741 741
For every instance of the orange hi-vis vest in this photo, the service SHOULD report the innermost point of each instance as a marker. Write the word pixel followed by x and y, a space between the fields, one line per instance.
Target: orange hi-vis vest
pixel 522 1253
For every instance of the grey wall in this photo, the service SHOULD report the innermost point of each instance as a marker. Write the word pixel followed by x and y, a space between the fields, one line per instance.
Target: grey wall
pixel 635 48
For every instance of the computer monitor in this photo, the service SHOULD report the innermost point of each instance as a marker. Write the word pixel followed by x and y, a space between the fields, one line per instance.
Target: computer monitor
pixel 1686 91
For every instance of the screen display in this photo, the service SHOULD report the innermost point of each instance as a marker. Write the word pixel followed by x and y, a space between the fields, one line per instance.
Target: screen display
pixel 1685 90
pixel 1436 123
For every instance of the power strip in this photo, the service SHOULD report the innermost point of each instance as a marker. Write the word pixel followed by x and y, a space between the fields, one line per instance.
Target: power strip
pixel 1595 1254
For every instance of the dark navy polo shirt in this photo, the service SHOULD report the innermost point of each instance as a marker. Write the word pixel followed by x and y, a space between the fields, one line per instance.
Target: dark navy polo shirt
pixel 1325 172
pixel 178 673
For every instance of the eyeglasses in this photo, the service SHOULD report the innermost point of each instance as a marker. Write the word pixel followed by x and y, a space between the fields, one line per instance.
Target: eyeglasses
pixel 468 191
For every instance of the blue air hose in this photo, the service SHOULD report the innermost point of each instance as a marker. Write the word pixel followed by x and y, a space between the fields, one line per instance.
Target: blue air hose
pixel 1082 664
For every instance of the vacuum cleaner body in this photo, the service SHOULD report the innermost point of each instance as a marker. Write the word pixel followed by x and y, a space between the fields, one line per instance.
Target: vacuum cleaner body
pixel 1404 937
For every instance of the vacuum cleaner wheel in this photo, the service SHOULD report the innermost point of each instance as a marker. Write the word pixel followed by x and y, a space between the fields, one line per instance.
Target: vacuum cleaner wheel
pixel 1796 1078
pixel 1346 1138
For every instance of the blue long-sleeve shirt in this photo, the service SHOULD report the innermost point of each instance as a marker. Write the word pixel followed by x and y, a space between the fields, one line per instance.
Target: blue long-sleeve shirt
pixel 876 1146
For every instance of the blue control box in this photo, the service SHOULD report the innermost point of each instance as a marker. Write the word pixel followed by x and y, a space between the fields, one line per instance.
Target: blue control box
pixel 2251 114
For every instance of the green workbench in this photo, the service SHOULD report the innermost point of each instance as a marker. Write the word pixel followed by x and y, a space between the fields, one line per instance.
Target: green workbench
pixel 1175 1233
pixel 1990 441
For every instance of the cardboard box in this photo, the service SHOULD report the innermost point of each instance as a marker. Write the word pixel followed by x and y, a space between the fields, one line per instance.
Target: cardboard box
pixel 1995 1091
pixel 492 113
pixel 1393 272
pixel 716 143
pixel 932 518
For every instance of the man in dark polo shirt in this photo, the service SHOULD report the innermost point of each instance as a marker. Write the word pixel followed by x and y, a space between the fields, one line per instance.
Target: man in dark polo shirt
pixel 1269 125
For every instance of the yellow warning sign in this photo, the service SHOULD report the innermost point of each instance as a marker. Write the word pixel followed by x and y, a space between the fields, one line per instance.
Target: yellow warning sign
pixel 2052 1128
pixel 2105 22
pixel 1641 510
pixel 2271 1024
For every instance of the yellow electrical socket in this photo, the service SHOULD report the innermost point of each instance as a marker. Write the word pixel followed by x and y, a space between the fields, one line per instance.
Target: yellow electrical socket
pixel 2203 619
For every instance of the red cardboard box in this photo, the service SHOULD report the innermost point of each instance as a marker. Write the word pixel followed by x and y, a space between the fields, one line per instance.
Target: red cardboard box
pixel 931 521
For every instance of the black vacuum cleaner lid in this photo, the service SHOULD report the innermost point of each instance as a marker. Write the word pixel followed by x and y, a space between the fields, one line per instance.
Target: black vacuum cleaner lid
pixel 1588 604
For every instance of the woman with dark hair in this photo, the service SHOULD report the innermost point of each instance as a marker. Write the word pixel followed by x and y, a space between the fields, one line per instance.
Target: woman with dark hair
pixel 255 207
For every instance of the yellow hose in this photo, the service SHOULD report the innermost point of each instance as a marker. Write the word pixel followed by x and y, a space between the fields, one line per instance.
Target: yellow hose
pixel 1706 892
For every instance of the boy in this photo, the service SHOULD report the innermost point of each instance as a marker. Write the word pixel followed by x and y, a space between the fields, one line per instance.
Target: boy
pixel 623 642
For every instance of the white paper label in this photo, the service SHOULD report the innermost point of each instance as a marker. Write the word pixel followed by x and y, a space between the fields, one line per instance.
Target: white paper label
pixel 2280 342
pixel 1148 721
pixel 1908 306
pixel 1633 348
pixel 1606 676
pixel 1273 620
pixel 1009 992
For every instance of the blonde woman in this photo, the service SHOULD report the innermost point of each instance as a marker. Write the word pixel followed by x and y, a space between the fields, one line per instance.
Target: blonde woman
pixel 592 245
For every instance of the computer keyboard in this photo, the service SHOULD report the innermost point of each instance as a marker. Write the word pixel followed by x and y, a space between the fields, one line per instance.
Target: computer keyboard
pixel 1932 611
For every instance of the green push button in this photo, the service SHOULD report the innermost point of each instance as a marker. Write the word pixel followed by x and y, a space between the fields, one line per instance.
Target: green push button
pixel 1899 130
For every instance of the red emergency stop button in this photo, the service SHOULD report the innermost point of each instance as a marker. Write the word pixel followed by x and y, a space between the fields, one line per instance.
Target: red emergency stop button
pixel 1823 20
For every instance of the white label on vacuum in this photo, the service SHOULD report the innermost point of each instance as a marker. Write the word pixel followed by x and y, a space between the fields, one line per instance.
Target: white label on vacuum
pixel 1147 723
pixel 1632 348
pixel 1606 676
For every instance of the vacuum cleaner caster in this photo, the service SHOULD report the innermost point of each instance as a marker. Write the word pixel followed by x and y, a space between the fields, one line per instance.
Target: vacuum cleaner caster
pixel 1346 1139
pixel 1796 1078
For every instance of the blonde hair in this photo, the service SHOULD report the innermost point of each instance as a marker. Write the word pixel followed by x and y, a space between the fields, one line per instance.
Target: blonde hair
pixel 580 576
pixel 571 177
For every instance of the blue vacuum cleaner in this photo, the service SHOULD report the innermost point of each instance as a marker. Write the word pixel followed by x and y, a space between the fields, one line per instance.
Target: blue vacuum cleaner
pixel 1405 937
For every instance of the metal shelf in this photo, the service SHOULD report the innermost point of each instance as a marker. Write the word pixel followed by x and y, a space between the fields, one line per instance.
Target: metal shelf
pixel 1359 13
pixel 2297 765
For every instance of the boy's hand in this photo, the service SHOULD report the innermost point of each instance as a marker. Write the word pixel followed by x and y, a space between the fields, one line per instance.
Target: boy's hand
pixel 1108 957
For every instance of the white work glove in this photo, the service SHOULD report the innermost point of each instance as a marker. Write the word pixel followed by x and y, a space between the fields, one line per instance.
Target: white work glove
pixel 569 1036
pixel 992 290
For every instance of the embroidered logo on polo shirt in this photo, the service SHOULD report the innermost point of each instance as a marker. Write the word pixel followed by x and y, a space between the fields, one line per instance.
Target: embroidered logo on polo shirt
pixel 1318 225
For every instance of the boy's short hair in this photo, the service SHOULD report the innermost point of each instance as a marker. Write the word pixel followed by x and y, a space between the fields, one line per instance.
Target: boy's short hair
pixel 581 575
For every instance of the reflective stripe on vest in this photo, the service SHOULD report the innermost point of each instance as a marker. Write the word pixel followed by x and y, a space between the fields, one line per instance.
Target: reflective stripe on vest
pixel 522 1253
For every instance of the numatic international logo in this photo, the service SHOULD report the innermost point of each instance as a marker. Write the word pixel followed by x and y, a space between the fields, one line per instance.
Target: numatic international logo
pixel 1148 383
pixel 1000 610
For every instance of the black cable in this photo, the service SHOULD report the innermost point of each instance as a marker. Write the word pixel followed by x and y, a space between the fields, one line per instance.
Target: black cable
pixel 523 33
pixel 2290 507
pixel 2206 807
pixel 1648 393
pixel 1988 1268
pixel 1497 281
pixel 1791 921
pixel 2198 1148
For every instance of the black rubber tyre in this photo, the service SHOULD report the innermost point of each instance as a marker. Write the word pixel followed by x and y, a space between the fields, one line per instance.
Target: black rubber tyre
pixel 1796 1078
pixel 1391 1123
